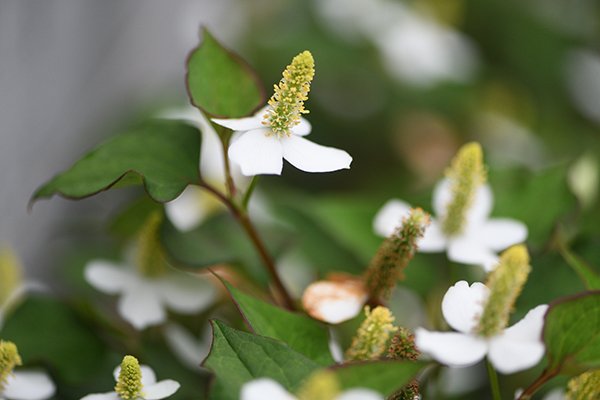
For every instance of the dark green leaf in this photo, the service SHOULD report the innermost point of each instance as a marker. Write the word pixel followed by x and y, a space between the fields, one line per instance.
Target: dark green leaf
pixel 237 357
pixel 301 333
pixel 385 377
pixel 164 155
pixel 572 333
pixel 220 83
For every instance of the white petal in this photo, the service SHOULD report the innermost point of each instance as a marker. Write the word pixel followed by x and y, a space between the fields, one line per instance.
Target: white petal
pixel 463 304
pixel 471 250
pixel 390 216
pixel 257 152
pixel 451 348
pixel 264 388
pixel 29 385
pixel 102 396
pixel 520 346
pixel 334 346
pixel 188 349
pixel 303 128
pixel 433 240
pixel 148 375
pixel 186 293
pixel 359 394
pixel 479 211
pixel 311 157
pixel 141 306
pixel 161 389
pixel 500 233
pixel 188 113
pixel 241 124
pixel 109 277
pixel 333 301
pixel 186 211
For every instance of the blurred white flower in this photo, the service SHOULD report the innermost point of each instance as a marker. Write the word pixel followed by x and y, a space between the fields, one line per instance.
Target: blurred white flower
pixel 143 300
pixel 28 385
pixel 189 349
pixel 479 241
pixel 150 389
pixel 413 46
pixel 266 388
pixel 195 204
pixel 259 150
pixel 583 79
pixel 514 349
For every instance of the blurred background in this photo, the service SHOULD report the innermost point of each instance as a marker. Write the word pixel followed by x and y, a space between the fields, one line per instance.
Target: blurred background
pixel 400 85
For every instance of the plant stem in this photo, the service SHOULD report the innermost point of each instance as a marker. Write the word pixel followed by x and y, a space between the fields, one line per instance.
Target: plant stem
pixel 539 382
pixel 225 136
pixel 249 191
pixel 493 381
pixel 244 221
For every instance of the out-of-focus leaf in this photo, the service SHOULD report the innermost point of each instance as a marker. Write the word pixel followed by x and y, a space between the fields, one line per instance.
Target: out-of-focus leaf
pixel 129 221
pixel 572 333
pixel 385 377
pixel 238 357
pixel 46 330
pixel 220 83
pixel 164 155
pixel 301 333
pixel 587 274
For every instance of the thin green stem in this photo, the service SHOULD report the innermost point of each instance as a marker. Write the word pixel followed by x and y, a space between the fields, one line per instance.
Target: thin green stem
pixel 249 191
pixel 242 217
pixel 225 136
pixel 493 381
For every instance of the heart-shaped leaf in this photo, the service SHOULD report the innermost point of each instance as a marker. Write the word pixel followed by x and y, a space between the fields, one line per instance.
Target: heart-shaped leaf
pixel 301 333
pixel 221 83
pixel 238 357
pixel 572 333
pixel 163 155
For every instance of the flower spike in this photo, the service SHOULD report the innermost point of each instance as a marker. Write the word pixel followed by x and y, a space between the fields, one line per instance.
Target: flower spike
pixel 10 274
pixel 129 385
pixel 466 174
pixel 372 336
pixel 9 359
pixel 287 103
pixel 322 385
pixel 584 386
pixel 505 284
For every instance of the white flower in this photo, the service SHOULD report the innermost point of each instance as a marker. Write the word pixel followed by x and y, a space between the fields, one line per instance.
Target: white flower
pixel 151 390
pixel 186 347
pixel 265 388
pixel 28 385
pixel 144 300
pixel 479 241
pixel 259 150
pixel 514 349
pixel 194 204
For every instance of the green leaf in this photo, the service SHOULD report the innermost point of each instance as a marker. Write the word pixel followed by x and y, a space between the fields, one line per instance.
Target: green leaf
pixel 131 219
pixel 572 333
pixel 163 154
pixel 385 377
pixel 237 357
pixel 220 83
pixel 586 273
pixel 301 333
pixel 47 330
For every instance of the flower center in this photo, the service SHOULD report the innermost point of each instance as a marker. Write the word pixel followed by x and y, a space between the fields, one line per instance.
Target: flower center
pixel 505 284
pixel 373 334
pixel 10 274
pixel 584 386
pixel 150 257
pixel 9 359
pixel 287 102
pixel 466 174
pixel 129 384
pixel 394 254
pixel 322 385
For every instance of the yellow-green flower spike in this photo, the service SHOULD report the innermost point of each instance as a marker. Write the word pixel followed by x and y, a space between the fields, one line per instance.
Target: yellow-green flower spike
pixel 466 174
pixel 10 274
pixel 505 284
pixel 9 359
pixel 372 336
pixel 151 260
pixel 402 347
pixel 322 385
pixel 287 103
pixel 585 386
pixel 129 384
pixel 394 254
